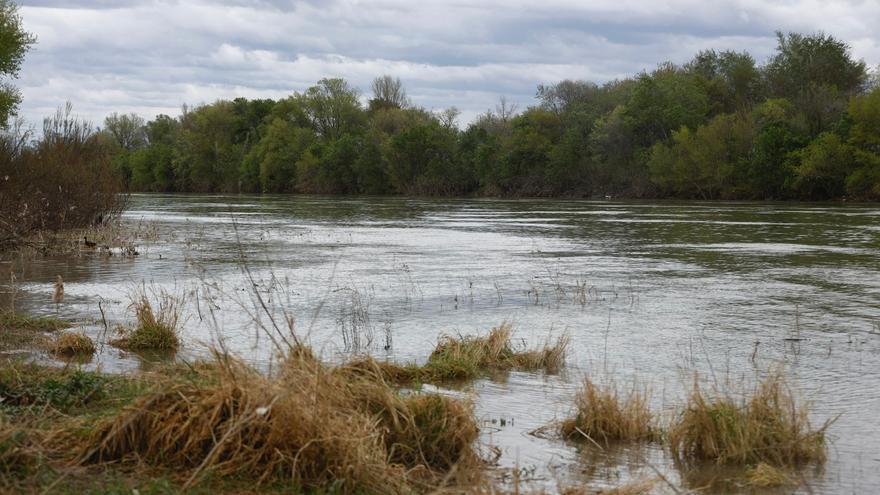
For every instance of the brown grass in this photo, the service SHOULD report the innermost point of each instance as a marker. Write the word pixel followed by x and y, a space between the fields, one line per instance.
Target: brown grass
pixel 767 426
pixel 312 426
pixel 466 357
pixel 603 416
pixel 156 330
pixel 69 344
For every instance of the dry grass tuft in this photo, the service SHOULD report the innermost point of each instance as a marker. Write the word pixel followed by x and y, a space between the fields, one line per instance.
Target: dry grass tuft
pixel 312 426
pixel 155 330
pixel 18 454
pixel 603 416
pixel 68 344
pixel 766 427
pixel 466 357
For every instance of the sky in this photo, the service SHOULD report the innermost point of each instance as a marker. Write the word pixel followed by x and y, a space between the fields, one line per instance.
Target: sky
pixel 152 56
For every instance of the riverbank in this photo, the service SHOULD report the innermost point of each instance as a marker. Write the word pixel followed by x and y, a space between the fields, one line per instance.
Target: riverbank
pixel 220 426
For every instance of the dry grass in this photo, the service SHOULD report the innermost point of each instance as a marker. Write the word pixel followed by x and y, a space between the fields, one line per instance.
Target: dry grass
pixel 767 426
pixel 466 357
pixel 69 344
pixel 603 416
pixel 156 330
pixel 311 426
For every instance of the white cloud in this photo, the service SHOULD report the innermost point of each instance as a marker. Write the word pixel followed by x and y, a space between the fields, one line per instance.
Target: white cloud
pixel 151 56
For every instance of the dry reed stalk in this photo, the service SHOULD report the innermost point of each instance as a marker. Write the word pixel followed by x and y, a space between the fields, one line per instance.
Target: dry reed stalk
pixel 603 416
pixel 72 344
pixel 767 426
pixel 58 295
pixel 155 329
pixel 312 426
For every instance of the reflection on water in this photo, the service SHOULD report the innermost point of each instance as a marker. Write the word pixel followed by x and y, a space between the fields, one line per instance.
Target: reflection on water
pixel 648 291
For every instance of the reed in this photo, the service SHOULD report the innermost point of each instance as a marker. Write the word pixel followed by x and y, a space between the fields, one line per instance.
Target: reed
pixel 767 426
pixel 604 415
pixel 156 328
pixel 312 426
pixel 467 357
pixel 70 344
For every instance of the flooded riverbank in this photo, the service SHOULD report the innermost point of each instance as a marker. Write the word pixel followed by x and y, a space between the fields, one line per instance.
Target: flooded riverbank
pixel 653 292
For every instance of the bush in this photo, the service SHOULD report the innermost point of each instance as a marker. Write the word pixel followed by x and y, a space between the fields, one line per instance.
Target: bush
pixel 64 180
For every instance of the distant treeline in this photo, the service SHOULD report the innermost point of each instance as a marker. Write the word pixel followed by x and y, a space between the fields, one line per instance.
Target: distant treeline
pixel 805 125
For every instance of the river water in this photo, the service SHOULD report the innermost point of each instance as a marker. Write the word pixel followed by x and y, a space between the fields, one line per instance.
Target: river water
pixel 650 293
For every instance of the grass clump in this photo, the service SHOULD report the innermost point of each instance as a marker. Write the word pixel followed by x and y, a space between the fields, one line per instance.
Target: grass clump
pixel 156 329
pixel 768 426
pixel 72 344
pixel 311 426
pixel 603 416
pixel 17 321
pixel 467 357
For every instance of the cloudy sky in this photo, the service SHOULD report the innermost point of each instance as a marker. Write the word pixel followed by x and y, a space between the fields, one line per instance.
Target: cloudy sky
pixel 151 56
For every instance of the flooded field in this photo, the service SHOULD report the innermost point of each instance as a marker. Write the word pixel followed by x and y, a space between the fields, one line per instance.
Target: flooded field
pixel 650 293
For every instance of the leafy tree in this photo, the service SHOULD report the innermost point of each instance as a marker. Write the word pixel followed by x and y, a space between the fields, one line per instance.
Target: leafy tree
pixel 14 44
pixel 816 73
pixel 333 108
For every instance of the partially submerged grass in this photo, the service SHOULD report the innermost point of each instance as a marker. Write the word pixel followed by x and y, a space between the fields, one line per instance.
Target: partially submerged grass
pixel 768 426
pixel 72 344
pixel 156 328
pixel 23 332
pixel 604 416
pixel 467 357
pixel 18 321
pixel 310 426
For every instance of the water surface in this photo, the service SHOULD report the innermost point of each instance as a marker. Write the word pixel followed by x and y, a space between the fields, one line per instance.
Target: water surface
pixel 648 292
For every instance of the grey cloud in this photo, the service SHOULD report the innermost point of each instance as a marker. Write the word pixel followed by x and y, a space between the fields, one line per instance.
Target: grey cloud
pixel 152 56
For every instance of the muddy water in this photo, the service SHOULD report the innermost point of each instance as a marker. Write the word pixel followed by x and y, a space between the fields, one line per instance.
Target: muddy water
pixel 648 292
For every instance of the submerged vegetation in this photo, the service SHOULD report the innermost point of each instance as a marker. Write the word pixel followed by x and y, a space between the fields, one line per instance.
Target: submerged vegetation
pixel 467 357
pixel 766 426
pixel 603 416
pixel 156 329
pixel 72 344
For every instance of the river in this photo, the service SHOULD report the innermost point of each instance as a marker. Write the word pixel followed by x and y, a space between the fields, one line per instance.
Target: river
pixel 651 293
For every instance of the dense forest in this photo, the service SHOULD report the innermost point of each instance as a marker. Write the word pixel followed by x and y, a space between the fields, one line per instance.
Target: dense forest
pixel 804 125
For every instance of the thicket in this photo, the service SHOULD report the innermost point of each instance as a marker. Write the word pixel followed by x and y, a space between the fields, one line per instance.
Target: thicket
pixel 804 125
pixel 63 180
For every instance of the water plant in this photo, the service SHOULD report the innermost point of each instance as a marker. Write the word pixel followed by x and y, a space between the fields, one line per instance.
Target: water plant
pixel 604 415
pixel 766 425
pixel 69 344
pixel 156 328
pixel 466 357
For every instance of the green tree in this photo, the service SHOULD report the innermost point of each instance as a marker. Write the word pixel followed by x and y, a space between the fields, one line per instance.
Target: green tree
pixel 14 44
pixel 334 108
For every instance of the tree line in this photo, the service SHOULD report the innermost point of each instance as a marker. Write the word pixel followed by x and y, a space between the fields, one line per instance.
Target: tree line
pixel 804 125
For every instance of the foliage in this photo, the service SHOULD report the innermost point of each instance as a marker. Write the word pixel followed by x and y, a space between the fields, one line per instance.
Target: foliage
pixel 14 43
pixel 65 179
pixel 719 126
